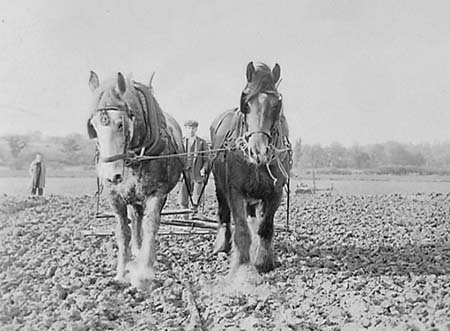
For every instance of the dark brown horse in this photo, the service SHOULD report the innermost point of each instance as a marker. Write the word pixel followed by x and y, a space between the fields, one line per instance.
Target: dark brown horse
pixel 250 177
pixel 126 120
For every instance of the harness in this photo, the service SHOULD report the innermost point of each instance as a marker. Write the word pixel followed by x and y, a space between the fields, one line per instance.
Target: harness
pixel 237 137
pixel 152 142
pixel 245 98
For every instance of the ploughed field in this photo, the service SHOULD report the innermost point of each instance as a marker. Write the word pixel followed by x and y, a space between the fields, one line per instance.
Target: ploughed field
pixel 350 263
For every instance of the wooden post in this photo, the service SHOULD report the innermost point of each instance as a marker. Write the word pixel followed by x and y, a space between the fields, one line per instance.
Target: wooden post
pixel 313 171
pixel 314 179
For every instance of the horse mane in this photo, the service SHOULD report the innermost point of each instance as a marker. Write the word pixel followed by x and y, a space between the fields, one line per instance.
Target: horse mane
pixel 151 129
pixel 262 80
pixel 153 116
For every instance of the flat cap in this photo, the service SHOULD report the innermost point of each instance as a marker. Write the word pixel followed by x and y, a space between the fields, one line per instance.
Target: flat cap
pixel 191 123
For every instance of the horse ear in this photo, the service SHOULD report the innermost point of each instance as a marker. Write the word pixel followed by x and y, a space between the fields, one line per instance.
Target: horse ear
pixel 250 71
pixel 94 82
pixel 276 72
pixel 150 83
pixel 121 84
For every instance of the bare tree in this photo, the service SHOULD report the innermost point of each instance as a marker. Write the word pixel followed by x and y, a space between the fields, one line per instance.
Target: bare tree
pixel 71 146
pixel 16 144
pixel 71 143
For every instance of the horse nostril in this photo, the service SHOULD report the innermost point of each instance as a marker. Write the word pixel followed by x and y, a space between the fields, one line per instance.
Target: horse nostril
pixel 117 178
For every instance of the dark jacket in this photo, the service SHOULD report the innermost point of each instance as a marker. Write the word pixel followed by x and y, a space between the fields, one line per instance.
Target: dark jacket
pixel 37 172
pixel 199 161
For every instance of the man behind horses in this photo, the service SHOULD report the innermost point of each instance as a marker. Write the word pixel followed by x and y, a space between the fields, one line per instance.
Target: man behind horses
pixel 196 166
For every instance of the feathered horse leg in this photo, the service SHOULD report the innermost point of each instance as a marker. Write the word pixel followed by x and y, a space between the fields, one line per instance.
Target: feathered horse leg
pixel 141 269
pixel 135 213
pixel 261 251
pixel 223 237
pixel 123 236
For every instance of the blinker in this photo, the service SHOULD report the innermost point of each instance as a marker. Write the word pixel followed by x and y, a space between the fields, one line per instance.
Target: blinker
pixel 279 103
pixel 105 120
pixel 244 106
pixel 90 129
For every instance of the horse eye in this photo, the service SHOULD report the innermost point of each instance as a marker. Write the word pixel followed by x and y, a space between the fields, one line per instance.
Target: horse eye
pixel 120 126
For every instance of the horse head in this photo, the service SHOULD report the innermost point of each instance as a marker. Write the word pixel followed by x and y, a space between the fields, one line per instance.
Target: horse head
pixel 261 104
pixel 112 124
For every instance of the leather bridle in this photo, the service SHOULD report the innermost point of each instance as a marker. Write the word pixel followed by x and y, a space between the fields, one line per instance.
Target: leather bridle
pixel 105 120
pixel 244 109
pixel 149 140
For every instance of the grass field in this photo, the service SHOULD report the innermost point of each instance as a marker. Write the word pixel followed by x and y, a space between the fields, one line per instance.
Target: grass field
pixel 345 185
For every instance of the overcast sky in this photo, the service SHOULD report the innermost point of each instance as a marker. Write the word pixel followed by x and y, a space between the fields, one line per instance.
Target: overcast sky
pixel 353 71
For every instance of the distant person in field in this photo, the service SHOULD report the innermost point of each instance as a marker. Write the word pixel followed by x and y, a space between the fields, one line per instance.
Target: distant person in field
pixel 196 166
pixel 37 172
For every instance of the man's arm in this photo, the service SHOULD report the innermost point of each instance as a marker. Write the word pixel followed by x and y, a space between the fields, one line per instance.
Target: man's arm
pixel 205 158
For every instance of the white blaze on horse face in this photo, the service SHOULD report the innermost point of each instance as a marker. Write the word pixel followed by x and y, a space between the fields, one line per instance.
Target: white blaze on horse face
pixel 111 142
pixel 260 121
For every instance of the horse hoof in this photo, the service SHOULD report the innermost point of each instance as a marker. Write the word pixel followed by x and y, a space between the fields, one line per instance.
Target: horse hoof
pixel 222 244
pixel 243 279
pixel 121 279
pixel 263 259
pixel 134 250
pixel 221 249
pixel 266 266
pixel 121 275
pixel 139 276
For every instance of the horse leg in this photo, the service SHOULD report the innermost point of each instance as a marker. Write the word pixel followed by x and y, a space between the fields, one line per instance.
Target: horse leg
pixel 141 269
pixel 241 235
pixel 123 240
pixel 136 212
pixel 223 237
pixel 261 251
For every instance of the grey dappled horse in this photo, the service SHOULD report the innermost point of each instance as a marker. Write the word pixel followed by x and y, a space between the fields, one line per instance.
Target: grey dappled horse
pixel 126 120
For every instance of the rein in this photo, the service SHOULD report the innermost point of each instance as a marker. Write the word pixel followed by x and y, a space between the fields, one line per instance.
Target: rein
pixel 131 158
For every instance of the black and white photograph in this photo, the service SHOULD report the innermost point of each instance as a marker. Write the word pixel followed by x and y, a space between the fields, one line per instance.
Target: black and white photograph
pixel 207 165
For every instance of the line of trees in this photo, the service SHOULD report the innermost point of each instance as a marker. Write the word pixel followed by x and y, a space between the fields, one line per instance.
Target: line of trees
pixel 391 153
pixel 17 151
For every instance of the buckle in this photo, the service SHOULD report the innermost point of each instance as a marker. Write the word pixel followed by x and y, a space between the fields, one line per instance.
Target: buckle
pixel 129 159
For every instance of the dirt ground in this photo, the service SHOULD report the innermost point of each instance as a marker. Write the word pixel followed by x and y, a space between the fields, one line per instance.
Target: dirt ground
pixel 349 263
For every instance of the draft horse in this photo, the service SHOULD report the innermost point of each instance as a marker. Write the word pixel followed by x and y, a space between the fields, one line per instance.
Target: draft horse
pixel 250 176
pixel 126 120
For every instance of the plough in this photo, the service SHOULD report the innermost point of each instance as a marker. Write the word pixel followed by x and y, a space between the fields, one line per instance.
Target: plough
pixel 196 225
pixel 199 225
